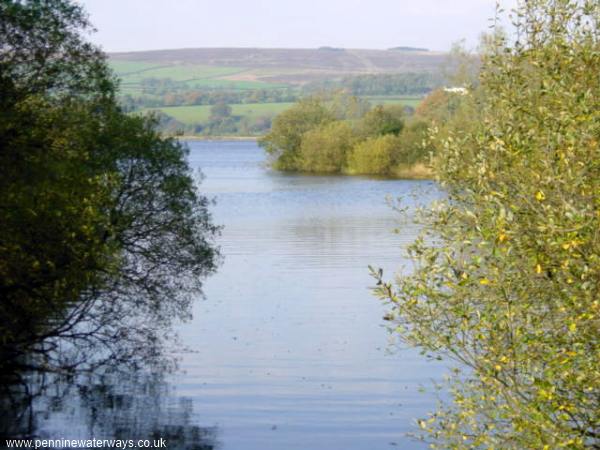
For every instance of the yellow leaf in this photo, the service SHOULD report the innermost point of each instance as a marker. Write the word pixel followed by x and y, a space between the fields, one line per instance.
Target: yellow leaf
pixel 539 196
pixel 538 269
pixel 484 281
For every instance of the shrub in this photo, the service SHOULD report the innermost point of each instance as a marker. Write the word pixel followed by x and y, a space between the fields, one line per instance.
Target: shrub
pixel 374 155
pixel 507 276
pixel 325 149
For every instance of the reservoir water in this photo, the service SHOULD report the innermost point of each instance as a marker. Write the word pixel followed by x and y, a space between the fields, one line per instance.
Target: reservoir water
pixel 292 349
pixel 288 350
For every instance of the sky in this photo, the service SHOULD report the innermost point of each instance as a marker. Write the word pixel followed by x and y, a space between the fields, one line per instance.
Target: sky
pixel 129 25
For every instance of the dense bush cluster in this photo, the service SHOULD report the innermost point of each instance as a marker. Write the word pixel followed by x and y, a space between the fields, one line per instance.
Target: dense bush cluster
pixel 343 134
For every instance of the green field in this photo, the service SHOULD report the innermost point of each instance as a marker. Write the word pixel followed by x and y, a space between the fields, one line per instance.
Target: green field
pixel 135 71
pixel 187 76
pixel 196 114
pixel 122 68
pixel 189 115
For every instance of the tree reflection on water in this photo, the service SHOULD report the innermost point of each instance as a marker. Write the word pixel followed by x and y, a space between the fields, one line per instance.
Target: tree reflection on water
pixel 117 404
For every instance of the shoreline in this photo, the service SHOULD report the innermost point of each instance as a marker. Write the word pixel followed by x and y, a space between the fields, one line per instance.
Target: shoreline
pixel 216 138
pixel 418 171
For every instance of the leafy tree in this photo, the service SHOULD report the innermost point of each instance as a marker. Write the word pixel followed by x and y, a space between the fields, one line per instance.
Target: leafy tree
pixel 284 140
pixel 325 149
pixel 338 134
pixel 220 111
pixel 333 134
pixel 346 107
pixel 415 146
pixel 374 155
pixel 102 224
pixel 380 121
pixel 41 53
pixel 507 271
pixel 437 106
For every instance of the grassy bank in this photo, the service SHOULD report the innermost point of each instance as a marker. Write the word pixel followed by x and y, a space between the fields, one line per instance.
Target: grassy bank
pixel 190 115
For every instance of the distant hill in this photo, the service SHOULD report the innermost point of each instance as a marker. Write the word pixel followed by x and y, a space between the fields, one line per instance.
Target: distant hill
pixel 291 65
pixel 258 83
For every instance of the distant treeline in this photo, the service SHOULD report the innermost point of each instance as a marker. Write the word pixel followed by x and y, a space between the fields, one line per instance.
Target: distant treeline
pixel 208 97
pixel 166 92
pixel 381 84
pixel 221 122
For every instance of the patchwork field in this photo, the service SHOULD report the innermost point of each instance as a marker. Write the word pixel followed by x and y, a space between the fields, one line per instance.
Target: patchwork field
pixel 260 83
pixel 190 115
pixel 138 77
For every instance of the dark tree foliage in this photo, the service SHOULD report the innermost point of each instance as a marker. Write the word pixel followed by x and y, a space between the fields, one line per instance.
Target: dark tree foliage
pixel 381 121
pixel 220 111
pixel 103 234
pixel 42 52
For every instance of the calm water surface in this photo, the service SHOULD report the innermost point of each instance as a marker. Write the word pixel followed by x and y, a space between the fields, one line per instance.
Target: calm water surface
pixel 288 350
